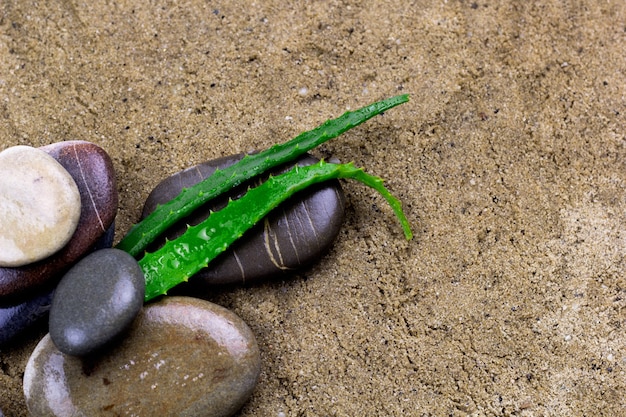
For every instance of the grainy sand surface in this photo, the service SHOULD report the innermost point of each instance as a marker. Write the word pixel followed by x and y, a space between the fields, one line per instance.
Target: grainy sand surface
pixel 510 160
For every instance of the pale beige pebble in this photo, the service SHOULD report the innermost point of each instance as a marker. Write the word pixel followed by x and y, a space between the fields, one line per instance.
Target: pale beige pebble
pixel 39 203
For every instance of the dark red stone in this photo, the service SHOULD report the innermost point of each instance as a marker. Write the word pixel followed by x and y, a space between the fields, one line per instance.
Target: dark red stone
pixel 92 169
pixel 294 235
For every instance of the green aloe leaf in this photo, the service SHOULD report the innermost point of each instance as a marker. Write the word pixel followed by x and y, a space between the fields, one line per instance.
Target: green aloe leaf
pixel 143 233
pixel 181 258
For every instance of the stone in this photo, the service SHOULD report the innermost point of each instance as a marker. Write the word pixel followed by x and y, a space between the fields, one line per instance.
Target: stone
pixel 294 235
pixel 40 206
pixel 14 319
pixel 106 240
pixel 92 170
pixel 96 300
pixel 182 357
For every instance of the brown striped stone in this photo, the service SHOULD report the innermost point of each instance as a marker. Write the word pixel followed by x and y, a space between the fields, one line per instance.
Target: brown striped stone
pixel 92 170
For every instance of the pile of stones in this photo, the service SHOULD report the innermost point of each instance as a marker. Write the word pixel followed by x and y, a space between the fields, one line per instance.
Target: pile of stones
pixel 106 352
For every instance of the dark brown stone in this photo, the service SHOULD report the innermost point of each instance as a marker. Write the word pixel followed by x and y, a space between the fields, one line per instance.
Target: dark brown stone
pixel 295 234
pixel 92 170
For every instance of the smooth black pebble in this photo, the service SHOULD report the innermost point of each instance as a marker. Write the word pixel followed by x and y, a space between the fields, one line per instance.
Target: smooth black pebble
pixel 96 301
pixel 15 319
pixel 294 235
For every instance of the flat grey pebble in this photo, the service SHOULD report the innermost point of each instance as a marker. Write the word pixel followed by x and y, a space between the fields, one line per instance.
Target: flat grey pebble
pixel 95 301
pixel 181 357
pixel 294 235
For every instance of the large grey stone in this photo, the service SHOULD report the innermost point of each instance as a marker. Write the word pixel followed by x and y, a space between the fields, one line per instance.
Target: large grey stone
pixel 97 299
pixel 182 357
pixel 40 206
pixel 295 234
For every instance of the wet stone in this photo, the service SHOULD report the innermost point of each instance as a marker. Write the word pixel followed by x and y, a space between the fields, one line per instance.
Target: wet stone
pixel 182 356
pixel 97 299
pixel 92 171
pixel 40 206
pixel 294 235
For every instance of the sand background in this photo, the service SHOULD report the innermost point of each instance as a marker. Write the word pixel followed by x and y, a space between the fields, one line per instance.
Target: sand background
pixel 510 160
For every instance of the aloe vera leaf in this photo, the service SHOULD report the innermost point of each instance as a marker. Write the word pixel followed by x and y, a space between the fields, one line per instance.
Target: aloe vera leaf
pixel 143 233
pixel 181 258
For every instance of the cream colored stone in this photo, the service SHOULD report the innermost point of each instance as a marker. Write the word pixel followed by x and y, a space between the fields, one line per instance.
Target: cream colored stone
pixel 39 206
